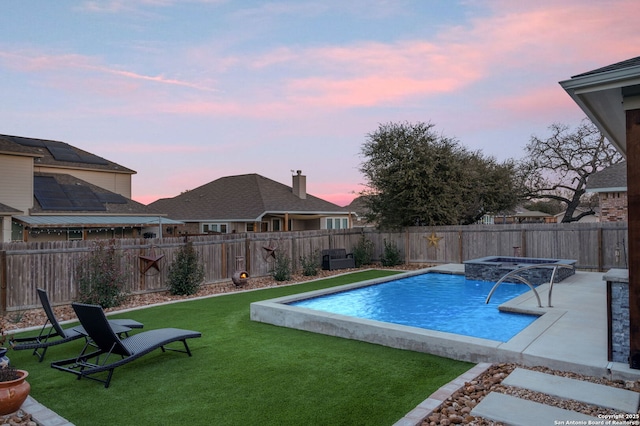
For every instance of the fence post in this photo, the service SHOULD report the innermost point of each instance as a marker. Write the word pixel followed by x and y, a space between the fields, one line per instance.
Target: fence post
pixel 247 254
pixel 406 247
pixel 600 251
pixel 3 282
pixel 223 261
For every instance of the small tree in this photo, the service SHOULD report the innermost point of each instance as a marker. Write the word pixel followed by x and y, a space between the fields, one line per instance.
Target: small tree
pixel 391 255
pixel 282 267
pixel 101 280
pixel 363 252
pixel 186 273
pixel 310 264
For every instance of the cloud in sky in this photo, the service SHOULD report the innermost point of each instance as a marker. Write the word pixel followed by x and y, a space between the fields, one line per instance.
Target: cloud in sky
pixel 185 92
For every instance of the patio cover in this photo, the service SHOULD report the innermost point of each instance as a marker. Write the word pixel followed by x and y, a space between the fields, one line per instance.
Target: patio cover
pixel 610 96
pixel 50 221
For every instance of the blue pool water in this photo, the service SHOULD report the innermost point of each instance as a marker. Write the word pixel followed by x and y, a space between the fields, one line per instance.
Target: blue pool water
pixel 441 302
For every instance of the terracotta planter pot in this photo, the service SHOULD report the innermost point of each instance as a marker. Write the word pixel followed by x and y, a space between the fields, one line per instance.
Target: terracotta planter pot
pixel 13 393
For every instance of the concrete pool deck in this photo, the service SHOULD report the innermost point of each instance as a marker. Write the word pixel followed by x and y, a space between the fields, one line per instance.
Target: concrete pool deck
pixel 570 336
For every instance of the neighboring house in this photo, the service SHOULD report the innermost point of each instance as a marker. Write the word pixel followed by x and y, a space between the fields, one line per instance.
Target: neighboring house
pixel 584 219
pixel 252 203
pixel 50 190
pixel 611 186
pixel 359 210
pixel 519 215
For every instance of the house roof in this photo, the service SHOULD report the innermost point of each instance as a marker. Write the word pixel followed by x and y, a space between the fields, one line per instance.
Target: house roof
pixel 611 179
pixel 605 93
pixel 60 194
pixel 6 210
pixel 241 198
pixel 358 206
pixel 530 213
pixel 57 154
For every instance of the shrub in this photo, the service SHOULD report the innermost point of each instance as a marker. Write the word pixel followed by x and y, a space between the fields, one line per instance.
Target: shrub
pixel 363 252
pixel 281 267
pixel 101 280
pixel 310 264
pixel 186 273
pixel 391 255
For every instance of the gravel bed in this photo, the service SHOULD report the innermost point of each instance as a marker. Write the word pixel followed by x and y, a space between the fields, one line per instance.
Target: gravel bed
pixel 457 408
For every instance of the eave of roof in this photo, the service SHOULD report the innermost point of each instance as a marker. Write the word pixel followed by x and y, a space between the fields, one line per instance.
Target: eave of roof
pixel 292 215
pixel 6 210
pixel 601 95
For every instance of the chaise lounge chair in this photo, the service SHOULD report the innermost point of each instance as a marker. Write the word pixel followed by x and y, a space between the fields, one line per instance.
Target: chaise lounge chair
pixel 112 351
pixel 52 329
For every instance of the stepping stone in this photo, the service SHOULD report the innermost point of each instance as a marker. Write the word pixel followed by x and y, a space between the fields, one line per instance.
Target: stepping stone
pixel 511 410
pixel 622 400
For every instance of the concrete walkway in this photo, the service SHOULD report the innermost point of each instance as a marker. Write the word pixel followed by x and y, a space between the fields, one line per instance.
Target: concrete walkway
pixel 516 411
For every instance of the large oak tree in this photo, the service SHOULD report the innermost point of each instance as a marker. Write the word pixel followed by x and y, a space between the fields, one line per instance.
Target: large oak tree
pixel 557 167
pixel 416 176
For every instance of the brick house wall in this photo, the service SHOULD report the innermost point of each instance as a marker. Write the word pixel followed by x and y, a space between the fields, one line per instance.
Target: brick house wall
pixel 613 206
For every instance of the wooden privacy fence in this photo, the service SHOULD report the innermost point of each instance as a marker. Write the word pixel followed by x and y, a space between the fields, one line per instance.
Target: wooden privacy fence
pixel 53 265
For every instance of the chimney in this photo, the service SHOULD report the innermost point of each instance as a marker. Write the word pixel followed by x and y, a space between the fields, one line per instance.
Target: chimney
pixel 300 185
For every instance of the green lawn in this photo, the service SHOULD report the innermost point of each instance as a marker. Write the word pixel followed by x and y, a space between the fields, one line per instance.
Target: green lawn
pixel 243 372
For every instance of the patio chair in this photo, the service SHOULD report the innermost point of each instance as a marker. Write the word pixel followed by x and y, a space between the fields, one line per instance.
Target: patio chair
pixel 52 329
pixel 112 351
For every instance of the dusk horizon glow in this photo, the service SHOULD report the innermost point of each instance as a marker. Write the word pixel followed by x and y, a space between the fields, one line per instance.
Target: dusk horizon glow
pixel 188 91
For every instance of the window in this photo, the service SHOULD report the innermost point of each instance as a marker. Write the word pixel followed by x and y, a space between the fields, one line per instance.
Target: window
pixel 337 223
pixel 74 234
pixel 214 227
pixel 276 225
pixel 251 227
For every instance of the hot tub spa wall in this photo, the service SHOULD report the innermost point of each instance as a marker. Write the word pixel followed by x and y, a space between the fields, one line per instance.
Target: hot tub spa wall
pixel 488 269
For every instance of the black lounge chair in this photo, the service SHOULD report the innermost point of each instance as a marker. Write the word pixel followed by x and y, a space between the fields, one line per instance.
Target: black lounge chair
pixel 111 351
pixel 52 329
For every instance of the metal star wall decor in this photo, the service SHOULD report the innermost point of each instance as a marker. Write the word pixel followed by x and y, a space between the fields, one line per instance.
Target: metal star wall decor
pixel 269 251
pixel 151 261
pixel 433 240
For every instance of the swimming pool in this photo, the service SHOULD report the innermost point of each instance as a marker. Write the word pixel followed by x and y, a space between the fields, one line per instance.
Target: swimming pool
pixel 443 302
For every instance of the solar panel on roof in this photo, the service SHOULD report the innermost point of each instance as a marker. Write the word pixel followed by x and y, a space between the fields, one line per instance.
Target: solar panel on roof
pixel 59 150
pixel 53 196
pixel 83 198
pixel 63 153
pixel 49 194
pixel 25 141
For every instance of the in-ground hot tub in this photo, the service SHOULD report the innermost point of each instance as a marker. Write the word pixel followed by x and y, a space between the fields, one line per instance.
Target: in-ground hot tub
pixel 492 268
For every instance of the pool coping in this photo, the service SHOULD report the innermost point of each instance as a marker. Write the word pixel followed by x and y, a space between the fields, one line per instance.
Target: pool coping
pixel 571 336
pixel 465 348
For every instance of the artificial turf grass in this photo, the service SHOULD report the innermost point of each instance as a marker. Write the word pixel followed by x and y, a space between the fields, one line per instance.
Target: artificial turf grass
pixel 245 372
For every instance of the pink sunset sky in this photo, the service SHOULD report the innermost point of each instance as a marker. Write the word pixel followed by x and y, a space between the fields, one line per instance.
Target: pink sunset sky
pixel 187 91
